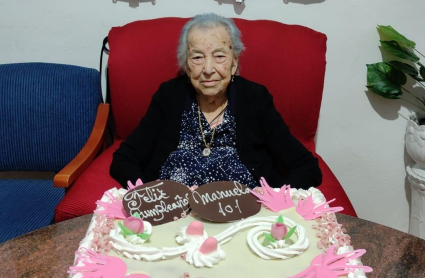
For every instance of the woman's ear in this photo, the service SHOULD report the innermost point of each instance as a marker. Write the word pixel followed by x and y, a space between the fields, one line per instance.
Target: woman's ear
pixel 235 65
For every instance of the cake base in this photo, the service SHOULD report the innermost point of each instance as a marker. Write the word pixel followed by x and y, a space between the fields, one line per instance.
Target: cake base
pixel 240 261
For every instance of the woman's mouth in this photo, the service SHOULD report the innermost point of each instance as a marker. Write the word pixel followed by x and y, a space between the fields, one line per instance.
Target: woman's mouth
pixel 209 83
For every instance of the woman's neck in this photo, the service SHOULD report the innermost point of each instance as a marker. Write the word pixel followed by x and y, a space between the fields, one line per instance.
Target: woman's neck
pixel 212 106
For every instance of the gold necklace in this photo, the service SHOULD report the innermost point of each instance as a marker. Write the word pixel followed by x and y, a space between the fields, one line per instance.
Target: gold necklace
pixel 207 149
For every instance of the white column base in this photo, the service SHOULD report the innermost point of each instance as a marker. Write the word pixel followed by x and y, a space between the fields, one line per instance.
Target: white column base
pixel 416 177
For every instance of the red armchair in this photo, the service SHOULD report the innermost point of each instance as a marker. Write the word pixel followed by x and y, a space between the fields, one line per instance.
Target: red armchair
pixel 289 60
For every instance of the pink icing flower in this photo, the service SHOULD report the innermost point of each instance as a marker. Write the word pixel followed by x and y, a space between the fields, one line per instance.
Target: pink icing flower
pixel 175 218
pixel 134 224
pixel 279 231
pixel 183 214
pixel 185 275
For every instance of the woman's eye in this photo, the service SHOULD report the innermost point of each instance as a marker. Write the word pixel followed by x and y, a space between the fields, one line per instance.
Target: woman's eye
pixel 197 60
pixel 219 58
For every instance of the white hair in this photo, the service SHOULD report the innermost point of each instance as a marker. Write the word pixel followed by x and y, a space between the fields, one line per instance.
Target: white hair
pixel 206 21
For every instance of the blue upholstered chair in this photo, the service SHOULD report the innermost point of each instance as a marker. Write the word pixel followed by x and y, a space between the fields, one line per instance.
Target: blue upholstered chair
pixel 47 114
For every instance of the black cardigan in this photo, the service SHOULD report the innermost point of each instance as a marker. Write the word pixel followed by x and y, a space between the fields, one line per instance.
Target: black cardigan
pixel 263 140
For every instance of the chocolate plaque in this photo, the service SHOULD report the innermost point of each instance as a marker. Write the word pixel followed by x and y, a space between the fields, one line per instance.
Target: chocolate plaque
pixel 158 202
pixel 224 201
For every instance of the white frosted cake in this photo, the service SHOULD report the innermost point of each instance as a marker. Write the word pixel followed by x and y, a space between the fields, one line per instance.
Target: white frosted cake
pixel 279 243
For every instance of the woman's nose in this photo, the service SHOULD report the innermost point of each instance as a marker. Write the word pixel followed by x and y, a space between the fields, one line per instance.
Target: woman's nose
pixel 209 66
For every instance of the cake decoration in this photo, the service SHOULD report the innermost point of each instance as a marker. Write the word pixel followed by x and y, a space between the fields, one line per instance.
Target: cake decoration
pixel 131 186
pixel 158 202
pixel 329 265
pixel 329 232
pixel 301 194
pixel 196 228
pixel 205 253
pixel 135 230
pixel 134 224
pixel 208 246
pixel 278 200
pixel 278 249
pixel 309 210
pixel 90 264
pixel 187 275
pixel 192 244
pixel 278 233
pixel 193 232
pixel 111 206
pixel 224 201
pixel 101 242
pixel 274 200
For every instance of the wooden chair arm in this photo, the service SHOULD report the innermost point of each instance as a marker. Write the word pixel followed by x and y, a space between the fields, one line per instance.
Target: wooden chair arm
pixel 83 159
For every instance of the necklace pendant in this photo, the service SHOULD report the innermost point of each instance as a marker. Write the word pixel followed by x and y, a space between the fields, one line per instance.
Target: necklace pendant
pixel 206 152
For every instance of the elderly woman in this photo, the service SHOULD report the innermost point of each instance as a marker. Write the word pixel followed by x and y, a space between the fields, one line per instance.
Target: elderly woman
pixel 210 124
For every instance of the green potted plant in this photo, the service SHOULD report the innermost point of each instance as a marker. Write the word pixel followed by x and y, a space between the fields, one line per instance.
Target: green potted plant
pixel 388 79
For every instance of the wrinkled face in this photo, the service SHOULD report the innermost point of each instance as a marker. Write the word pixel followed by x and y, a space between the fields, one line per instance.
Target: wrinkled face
pixel 211 62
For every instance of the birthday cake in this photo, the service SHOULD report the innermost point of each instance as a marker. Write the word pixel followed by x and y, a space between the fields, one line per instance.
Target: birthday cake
pixel 223 229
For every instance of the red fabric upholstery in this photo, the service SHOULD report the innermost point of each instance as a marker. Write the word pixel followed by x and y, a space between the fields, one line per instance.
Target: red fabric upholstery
pixel 89 187
pixel 289 60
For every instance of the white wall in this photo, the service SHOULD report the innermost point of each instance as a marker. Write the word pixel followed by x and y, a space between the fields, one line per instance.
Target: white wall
pixel 360 136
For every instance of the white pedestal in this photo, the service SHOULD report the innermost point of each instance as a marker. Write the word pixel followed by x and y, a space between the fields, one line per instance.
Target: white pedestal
pixel 416 177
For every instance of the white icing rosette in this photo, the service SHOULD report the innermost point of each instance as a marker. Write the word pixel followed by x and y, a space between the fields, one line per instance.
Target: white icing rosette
pixel 278 244
pixel 117 193
pixel 280 250
pixel 357 273
pixel 183 237
pixel 316 194
pixel 205 253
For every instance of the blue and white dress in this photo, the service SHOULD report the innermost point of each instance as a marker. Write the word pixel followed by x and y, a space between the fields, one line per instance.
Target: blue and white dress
pixel 188 166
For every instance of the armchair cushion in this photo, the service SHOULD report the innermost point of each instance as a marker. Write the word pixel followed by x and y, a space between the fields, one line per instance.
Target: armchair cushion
pixel 26 205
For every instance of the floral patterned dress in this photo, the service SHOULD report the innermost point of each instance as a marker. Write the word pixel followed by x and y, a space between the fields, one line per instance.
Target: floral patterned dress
pixel 188 166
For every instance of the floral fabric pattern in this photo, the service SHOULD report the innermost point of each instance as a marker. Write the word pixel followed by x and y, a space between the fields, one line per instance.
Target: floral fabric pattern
pixel 188 166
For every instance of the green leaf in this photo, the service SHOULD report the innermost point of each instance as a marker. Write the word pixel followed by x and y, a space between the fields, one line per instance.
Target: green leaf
pixel 380 74
pixel 407 69
pixel 399 51
pixel 291 232
pixel 144 236
pixel 422 72
pixel 382 94
pixel 136 214
pixel 125 231
pixel 396 36
pixel 279 219
pixel 268 239
pixel 385 80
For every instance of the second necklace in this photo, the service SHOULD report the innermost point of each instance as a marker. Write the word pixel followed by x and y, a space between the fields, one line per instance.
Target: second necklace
pixel 207 150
